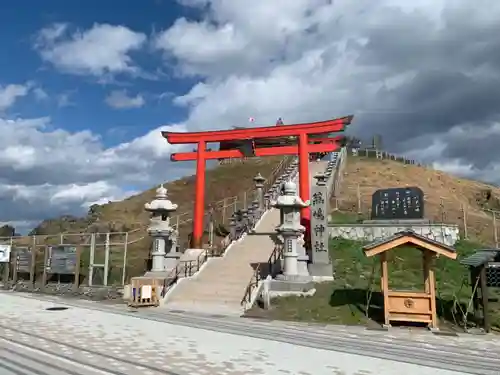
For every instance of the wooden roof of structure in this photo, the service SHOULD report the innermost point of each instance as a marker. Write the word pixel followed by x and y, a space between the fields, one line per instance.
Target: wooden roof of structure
pixel 408 237
pixel 481 257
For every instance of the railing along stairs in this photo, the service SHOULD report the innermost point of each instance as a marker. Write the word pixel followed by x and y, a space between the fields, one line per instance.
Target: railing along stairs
pixel 241 222
pixel 260 274
pixel 255 284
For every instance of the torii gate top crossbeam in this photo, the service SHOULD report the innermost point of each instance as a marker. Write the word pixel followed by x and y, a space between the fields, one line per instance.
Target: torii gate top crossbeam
pixel 333 125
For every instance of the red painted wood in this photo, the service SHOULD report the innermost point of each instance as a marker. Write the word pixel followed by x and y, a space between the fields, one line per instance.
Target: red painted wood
pixel 329 126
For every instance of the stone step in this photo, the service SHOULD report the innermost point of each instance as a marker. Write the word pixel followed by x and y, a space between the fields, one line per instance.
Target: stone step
pixel 232 309
pixel 210 294
pixel 202 287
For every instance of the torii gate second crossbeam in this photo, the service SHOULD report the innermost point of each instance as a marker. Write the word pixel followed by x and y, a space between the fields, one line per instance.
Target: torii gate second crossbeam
pixel 302 149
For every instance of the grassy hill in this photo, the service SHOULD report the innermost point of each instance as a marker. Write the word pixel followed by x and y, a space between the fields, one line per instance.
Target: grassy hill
pixel 227 188
pixel 354 297
pixel 449 199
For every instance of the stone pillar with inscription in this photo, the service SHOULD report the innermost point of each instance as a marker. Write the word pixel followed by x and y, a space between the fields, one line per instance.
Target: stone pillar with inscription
pixel 320 266
pixel 164 254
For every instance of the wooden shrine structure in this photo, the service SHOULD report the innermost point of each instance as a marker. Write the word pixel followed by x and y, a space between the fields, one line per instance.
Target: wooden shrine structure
pixel 302 146
pixel 410 306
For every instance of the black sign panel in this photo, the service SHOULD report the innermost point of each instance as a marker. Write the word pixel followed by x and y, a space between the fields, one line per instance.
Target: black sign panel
pixel 23 257
pixel 398 203
pixel 62 260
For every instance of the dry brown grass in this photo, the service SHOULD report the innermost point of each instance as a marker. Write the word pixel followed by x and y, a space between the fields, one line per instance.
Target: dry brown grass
pixel 225 181
pixel 231 184
pixel 447 198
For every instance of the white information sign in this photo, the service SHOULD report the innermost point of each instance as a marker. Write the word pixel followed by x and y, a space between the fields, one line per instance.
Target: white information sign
pixel 5 253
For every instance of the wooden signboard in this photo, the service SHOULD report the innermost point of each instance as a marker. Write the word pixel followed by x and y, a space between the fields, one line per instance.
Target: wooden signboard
pixel 23 259
pixel 62 260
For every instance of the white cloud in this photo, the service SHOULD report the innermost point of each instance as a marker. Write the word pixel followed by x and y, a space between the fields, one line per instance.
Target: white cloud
pixel 425 75
pixel 40 94
pixel 103 49
pixel 46 171
pixel 64 99
pixel 10 93
pixel 412 72
pixel 120 99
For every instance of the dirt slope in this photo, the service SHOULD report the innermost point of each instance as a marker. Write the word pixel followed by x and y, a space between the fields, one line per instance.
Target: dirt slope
pixel 230 184
pixel 447 198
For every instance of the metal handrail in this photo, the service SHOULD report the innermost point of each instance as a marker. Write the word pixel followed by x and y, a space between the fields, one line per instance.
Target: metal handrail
pixel 207 253
pixel 258 276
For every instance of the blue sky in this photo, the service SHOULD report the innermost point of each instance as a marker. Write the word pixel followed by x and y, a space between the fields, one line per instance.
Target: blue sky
pixel 85 108
pixel 86 87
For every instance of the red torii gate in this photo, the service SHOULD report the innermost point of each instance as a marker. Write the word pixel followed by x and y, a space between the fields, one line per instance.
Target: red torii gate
pixel 303 149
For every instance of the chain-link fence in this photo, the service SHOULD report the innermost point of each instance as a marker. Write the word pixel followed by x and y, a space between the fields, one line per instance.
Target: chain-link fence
pixel 475 223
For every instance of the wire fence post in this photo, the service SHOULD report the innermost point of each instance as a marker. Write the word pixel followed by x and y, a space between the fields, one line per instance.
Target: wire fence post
pixel 495 234
pixel 224 207
pixel 125 246
pixel 211 229
pixel 441 209
pixel 358 193
pixel 464 213
pixel 106 259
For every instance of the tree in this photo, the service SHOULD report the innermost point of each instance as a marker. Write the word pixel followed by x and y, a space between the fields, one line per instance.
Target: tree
pixel 350 141
pixel 7 231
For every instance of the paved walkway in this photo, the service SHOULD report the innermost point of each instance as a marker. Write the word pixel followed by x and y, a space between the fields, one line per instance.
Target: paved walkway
pixel 90 337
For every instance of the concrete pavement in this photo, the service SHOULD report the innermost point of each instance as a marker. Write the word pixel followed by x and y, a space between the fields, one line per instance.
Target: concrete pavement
pixel 111 340
pixel 19 359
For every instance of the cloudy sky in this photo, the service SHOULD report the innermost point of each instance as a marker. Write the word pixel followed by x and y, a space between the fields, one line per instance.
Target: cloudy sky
pixel 86 86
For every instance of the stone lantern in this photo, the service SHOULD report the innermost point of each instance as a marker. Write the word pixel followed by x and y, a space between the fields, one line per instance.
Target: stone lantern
pixel 164 254
pixel 259 192
pixel 290 230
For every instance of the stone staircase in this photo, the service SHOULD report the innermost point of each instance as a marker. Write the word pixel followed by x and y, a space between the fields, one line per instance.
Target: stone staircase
pixel 221 283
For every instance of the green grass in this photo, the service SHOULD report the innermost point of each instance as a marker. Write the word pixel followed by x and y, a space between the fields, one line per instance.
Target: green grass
pixel 344 301
pixel 337 217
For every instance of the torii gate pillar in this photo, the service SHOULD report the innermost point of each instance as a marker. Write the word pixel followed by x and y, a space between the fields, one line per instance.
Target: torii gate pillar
pixel 199 196
pixel 304 179
pixel 302 149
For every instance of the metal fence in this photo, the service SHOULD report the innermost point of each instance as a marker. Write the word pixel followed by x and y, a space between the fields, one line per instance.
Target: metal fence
pixel 219 213
pixel 378 154
pixel 475 223
pixel 105 258
pixel 102 256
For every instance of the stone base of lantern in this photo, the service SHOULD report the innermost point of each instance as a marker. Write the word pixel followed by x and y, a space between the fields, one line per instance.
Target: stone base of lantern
pixel 157 274
pixel 291 285
pixel 321 272
pixel 172 260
